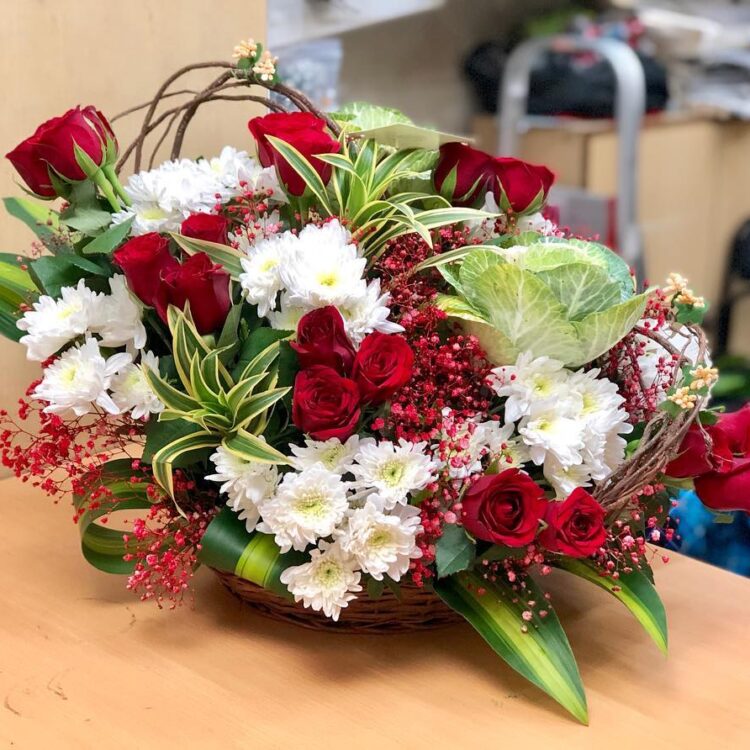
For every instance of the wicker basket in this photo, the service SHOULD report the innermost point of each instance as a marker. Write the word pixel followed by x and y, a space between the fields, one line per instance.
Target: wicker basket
pixel 417 609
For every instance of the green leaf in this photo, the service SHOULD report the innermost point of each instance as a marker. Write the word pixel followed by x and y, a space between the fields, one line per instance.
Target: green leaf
pixel 305 170
pixel 582 288
pixel 184 448
pixel 634 590
pixel 40 218
pixel 454 551
pixel 262 341
pixel 103 546
pixel 170 396
pixel 88 220
pixel 257 405
pixel 542 655
pixel 250 447
pixel 228 546
pixel 106 242
pixel 52 273
pixel 223 255
pixel 362 115
pixel 159 434
pixel 403 135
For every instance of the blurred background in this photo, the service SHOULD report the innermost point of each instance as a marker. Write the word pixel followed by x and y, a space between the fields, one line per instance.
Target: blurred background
pixel 642 108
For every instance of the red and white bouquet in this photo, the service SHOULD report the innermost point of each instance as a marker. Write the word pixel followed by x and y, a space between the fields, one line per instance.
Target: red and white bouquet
pixel 361 364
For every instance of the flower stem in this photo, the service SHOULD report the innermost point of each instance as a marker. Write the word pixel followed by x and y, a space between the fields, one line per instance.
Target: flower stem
pixel 101 182
pixel 111 175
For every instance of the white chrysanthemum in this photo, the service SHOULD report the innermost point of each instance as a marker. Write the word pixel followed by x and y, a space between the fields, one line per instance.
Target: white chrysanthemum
pixel 536 223
pixel 328 582
pixel 564 479
pixel 116 317
pixel 78 381
pixel 382 544
pixel 393 470
pixel 368 313
pixel 261 277
pixel 336 456
pixel 232 167
pixel 323 268
pixel 132 392
pixel 247 484
pixel 307 505
pixel 529 381
pixel 52 323
pixel 550 429
pixel 507 448
pixel 287 317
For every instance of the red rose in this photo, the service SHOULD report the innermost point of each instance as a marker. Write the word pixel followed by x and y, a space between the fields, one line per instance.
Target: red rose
pixel 201 283
pixel 736 426
pixel 209 227
pixel 305 132
pixel 322 340
pixel 325 404
pixel 524 185
pixel 53 145
pixel 504 508
pixel 383 365
pixel 473 174
pixel 464 174
pixel 575 526
pixel 729 490
pixel 694 457
pixel 145 260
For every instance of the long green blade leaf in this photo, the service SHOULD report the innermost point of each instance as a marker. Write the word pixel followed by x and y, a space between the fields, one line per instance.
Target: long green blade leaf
pixel 542 655
pixel 634 590
pixel 228 546
pixel 223 255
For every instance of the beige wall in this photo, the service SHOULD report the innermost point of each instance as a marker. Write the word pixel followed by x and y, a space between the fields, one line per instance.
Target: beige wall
pixel 58 53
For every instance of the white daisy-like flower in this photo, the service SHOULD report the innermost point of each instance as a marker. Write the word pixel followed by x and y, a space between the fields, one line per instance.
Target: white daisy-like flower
pixel 393 470
pixel 328 582
pixel 261 278
pixel 536 223
pixel 307 506
pixel 529 381
pixel 287 317
pixel 132 392
pixel 382 544
pixel 368 313
pixel 564 479
pixel 550 429
pixel 52 323
pixel 336 456
pixel 232 167
pixel 116 317
pixel 507 448
pixel 323 268
pixel 78 380
pixel 247 484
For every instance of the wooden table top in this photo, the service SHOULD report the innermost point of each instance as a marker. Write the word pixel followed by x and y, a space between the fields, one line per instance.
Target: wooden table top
pixel 84 664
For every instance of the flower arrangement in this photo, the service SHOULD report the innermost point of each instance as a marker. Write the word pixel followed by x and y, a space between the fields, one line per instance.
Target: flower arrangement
pixel 362 372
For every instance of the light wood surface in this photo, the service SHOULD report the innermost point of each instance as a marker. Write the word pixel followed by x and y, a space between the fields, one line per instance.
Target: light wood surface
pixel 83 664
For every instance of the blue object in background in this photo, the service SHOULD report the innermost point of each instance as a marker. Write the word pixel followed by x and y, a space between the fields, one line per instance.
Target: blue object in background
pixel 698 535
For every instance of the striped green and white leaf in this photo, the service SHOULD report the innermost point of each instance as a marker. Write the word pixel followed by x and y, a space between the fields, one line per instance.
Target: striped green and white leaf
pixel 542 655
pixel 228 546
pixel 223 255
pixel 187 446
pixel 634 590
pixel 17 289
pixel 249 447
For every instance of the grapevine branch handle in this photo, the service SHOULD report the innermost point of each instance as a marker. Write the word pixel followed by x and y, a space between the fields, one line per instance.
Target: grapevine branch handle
pixel 229 77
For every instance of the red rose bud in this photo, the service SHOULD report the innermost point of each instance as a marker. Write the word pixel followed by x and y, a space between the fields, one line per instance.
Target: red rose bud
pixel 504 508
pixel 306 133
pixel 325 404
pixel 202 284
pixel 145 260
pixel 575 526
pixel 322 340
pixel 71 145
pixel 728 490
pixel 736 426
pixel 523 186
pixel 703 449
pixel 383 364
pixel 209 227
pixel 464 174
